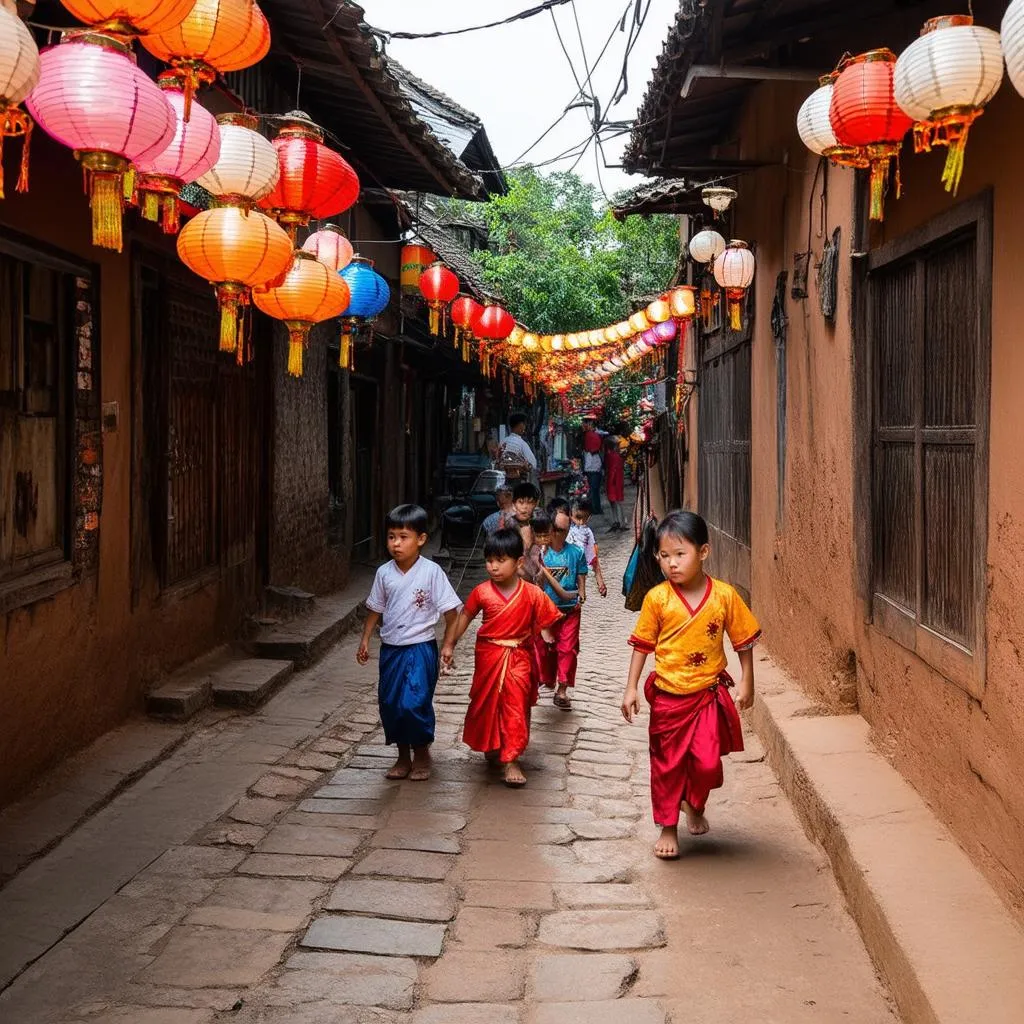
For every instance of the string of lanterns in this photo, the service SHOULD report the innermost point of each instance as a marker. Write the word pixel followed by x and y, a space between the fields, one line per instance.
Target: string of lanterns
pixel 936 89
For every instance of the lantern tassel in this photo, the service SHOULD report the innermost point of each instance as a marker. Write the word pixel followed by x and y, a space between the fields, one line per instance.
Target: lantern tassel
pixel 879 173
pixel 150 206
pixel 106 201
pixel 22 185
pixel 297 334
pixel 171 219
pixel 229 325
pixel 345 350
pixel 435 320
pixel 735 297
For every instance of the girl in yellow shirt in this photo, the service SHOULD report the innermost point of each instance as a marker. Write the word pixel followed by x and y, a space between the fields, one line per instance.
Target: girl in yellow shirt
pixel 693 718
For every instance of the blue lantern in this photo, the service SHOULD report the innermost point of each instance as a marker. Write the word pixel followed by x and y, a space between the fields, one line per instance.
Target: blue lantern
pixel 370 296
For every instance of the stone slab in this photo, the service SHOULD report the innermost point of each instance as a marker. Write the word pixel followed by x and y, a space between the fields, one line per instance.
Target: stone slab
pixel 375 935
pixel 602 929
pixel 179 699
pixel 424 840
pixel 257 810
pixel 248 682
pixel 618 1011
pixel 468 1013
pixel 405 864
pixel 360 822
pixel 360 807
pixel 267 895
pixel 614 895
pixel 510 895
pixel 486 860
pixel 308 638
pixel 581 977
pixel 197 957
pixel 413 901
pixel 471 977
pixel 311 841
pixel 283 865
pixel 491 928
pixel 345 979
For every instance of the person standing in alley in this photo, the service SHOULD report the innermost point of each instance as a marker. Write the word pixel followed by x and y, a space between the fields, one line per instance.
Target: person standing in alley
pixel 515 450
pixel 593 465
pixel 693 720
pixel 409 596
pixel 615 481
pixel 503 691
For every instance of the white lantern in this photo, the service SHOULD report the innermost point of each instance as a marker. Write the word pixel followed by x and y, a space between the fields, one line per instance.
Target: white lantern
pixel 248 166
pixel 19 73
pixel 1013 43
pixel 718 198
pixel 943 81
pixel 706 246
pixel 814 124
pixel 734 271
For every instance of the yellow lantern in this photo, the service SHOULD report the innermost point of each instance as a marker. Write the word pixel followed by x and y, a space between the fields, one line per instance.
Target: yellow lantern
pixel 545 342
pixel 624 330
pixel 639 322
pixel 557 342
pixel 611 335
pixel 531 342
pixel 682 302
pixel 659 311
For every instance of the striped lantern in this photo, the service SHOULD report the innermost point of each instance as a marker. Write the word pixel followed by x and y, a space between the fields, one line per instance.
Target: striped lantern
pixel 415 259
pixel 369 296
pixel 706 246
pixel 247 168
pixel 1012 30
pixel 864 114
pixel 93 99
pixel 330 246
pixel 215 36
pixel 734 271
pixel 19 73
pixel 194 149
pixel 943 80
pixel 310 293
pixel 814 124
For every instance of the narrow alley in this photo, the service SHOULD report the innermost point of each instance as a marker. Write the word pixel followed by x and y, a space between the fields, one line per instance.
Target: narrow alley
pixel 265 872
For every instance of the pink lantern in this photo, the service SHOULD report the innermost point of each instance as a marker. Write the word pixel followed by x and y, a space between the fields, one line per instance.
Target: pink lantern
pixel 92 98
pixel 650 337
pixel 330 246
pixel 193 151
pixel 667 331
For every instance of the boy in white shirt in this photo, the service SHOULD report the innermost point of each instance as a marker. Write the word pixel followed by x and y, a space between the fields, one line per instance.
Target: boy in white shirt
pixel 410 594
pixel 581 534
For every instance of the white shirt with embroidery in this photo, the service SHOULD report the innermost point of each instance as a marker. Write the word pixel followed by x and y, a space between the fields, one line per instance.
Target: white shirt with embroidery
pixel 583 538
pixel 411 603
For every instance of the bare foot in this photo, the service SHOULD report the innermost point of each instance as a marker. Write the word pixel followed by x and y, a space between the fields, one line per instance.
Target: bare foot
pixel 514 774
pixel 400 769
pixel 696 823
pixel 421 765
pixel 667 846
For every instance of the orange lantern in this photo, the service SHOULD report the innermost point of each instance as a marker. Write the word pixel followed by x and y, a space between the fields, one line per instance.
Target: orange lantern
pixel 130 17
pixel 415 259
pixel 682 302
pixel 659 311
pixel 438 285
pixel 215 36
pixel 235 251
pixel 310 292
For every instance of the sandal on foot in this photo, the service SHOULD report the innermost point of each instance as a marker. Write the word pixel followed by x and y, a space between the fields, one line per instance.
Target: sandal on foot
pixel 562 703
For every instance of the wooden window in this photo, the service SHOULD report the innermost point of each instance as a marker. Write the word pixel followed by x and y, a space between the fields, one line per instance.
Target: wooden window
pixel 37 308
pixel 929 296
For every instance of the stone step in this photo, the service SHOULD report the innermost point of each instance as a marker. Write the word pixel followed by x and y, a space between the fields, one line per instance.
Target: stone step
pixel 307 639
pixel 285 603
pixel 248 682
pixel 180 698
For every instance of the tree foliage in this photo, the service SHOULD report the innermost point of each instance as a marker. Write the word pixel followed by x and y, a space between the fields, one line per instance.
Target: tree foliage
pixel 560 259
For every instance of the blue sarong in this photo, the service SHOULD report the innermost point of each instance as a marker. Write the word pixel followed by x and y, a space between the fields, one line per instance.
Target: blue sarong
pixel 408 676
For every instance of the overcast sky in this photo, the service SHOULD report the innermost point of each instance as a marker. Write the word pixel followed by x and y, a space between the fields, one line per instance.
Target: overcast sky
pixel 516 78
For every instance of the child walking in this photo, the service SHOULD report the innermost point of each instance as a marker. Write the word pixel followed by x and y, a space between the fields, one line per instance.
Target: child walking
pixel 615 482
pixel 503 690
pixel 583 537
pixel 694 721
pixel 409 595
pixel 567 565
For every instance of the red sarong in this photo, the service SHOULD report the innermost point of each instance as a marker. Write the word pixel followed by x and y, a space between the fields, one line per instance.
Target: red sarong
pixel 689 735
pixel 560 659
pixel 504 680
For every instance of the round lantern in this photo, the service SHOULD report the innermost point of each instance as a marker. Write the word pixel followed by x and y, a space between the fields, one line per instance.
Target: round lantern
pixel 1012 31
pixel 624 330
pixel 414 260
pixel 193 151
pixel 943 80
pixel 706 246
pixel 639 322
pixel 531 342
pixel 682 301
pixel 650 337
pixel 19 73
pixel 130 17
pixel 659 311
pixel 315 181
pixel 438 285
pixel 718 197
pixel 666 332
pixel 611 335
pixel 462 312
pixel 734 271
pixel 814 123
pixel 235 250
pixel 330 246
pixel 493 323
pixel 215 36
pixel 310 292
pixel 92 98
pixel 247 168
pixel 865 114
pixel 516 336
pixel 369 296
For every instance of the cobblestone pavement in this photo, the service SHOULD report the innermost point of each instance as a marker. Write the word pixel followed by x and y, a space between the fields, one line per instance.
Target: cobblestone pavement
pixel 328 895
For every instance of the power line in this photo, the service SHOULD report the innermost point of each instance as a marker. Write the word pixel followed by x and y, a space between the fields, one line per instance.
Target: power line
pixel 521 16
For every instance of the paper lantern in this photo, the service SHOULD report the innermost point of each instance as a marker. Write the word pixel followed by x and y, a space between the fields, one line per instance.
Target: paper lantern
pixel 734 271
pixel 92 98
pixel 438 285
pixel 235 250
pixel 19 73
pixel 718 197
pixel 865 114
pixel 943 80
pixel 667 331
pixel 659 311
pixel 814 124
pixel 531 342
pixel 310 293
pixel 682 302
pixel 330 246
pixel 414 260
pixel 706 246
pixel 194 149
pixel 215 36
pixel 315 181
pixel 1012 31
pixel 639 322
pixel 369 296
pixel 516 337
pixel 624 330
pixel 462 312
pixel 130 17
pixel 247 168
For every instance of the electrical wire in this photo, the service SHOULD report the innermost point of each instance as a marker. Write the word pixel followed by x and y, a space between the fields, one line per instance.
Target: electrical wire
pixel 521 16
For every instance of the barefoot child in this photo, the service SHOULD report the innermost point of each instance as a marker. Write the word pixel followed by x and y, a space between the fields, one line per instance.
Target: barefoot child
pixel 410 593
pixel 498 719
pixel 583 537
pixel 693 718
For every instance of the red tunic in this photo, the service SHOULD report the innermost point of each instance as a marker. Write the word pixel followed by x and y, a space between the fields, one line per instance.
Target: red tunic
pixel 614 477
pixel 503 685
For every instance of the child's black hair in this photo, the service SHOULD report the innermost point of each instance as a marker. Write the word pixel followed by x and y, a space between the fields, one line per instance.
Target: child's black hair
pixel 582 506
pixel 525 490
pixel 541 522
pixel 556 505
pixel 687 525
pixel 517 419
pixel 407 517
pixel 505 543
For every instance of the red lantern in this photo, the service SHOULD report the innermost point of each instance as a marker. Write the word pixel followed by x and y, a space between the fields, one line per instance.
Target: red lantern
pixel 315 181
pixel 493 323
pixel 462 312
pixel 864 113
pixel 439 286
